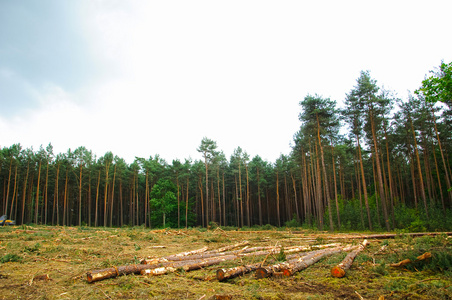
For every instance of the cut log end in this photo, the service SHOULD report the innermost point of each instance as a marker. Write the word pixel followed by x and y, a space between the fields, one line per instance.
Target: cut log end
pixel 96 276
pixel 287 272
pixel 337 272
pixel 262 273
pixel 220 274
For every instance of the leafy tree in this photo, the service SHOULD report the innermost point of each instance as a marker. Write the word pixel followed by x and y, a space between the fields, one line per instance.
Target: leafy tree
pixel 438 87
pixel 164 203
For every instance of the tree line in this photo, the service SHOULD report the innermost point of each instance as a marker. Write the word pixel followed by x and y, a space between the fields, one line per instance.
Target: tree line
pixel 377 163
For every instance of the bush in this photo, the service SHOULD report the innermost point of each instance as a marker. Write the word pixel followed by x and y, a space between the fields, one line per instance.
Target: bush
pixel 10 258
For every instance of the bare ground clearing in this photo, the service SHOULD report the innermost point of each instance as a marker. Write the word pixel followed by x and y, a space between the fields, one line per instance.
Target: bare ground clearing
pixel 44 262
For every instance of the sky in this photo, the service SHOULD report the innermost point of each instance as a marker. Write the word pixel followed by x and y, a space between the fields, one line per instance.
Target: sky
pixel 140 78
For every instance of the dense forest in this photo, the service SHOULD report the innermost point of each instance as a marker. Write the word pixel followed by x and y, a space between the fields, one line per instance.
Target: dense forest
pixel 376 163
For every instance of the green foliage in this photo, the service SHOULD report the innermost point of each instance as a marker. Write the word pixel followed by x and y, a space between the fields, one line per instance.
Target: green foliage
pixel 34 248
pixel 164 204
pixel 406 219
pixel 10 258
pixel 438 87
pixel 293 223
pixel 380 269
pixel 281 256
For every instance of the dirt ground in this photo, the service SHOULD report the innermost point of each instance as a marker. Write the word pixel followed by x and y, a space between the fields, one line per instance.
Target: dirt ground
pixel 43 262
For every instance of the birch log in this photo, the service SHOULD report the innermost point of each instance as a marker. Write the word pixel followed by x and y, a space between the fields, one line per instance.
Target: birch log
pixel 339 270
pixel 309 260
pixel 224 274
pixel 290 267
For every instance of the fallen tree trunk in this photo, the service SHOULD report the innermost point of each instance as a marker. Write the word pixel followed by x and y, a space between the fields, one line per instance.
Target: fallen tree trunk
pixel 268 271
pixel 187 266
pixel 204 249
pixel 291 266
pixel 98 275
pixel 309 260
pixel 339 270
pixel 404 262
pixel 226 248
pixel 224 274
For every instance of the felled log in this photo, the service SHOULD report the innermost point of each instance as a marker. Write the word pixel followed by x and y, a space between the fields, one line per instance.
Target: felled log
pixel 339 270
pixel 404 262
pixel 187 265
pixel 97 275
pixel 309 260
pixel 227 248
pixel 204 249
pixel 268 271
pixel 224 274
pixel 291 266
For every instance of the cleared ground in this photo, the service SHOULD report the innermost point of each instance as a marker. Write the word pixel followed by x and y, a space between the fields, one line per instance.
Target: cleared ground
pixel 43 262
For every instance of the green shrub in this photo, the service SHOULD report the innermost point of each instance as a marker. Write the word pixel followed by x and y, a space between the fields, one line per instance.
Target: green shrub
pixel 10 258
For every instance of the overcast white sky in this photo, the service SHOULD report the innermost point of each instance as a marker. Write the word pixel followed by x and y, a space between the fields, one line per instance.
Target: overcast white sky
pixel 140 78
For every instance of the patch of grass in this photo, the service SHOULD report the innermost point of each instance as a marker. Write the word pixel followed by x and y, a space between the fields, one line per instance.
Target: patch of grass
pixel 10 258
pixel 281 256
pixel 34 248
pixel 380 269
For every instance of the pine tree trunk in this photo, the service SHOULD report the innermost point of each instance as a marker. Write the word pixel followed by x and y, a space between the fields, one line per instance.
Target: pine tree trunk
pixel 448 185
pixel 207 192
pixel 242 223
pixel 107 169
pixel 37 193
pixel 5 205
pixel 186 204
pixel 421 180
pixel 319 190
pixel 14 194
pixel 335 188
pixel 97 201
pixel 277 199
pixel 80 197
pixel 327 194
pixel 65 213
pixel 46 193
pixel 295 195
pixel 113 198
pixel 258 197
pixel 248 205
pixel 379 173
pixel 438 179
pixel 363 181
pixel 24 194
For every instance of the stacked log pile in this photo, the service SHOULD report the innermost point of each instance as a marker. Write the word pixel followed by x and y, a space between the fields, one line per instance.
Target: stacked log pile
pixel 297 258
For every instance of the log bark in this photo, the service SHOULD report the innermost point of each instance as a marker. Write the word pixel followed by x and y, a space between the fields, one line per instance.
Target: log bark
pixel 404 262
pixel 227 248
pixel 309 260
pixel 98 275
pixel 224 274
pixel 187 266
pixel 292 266
pixel 204 249
pixel 187 261
pixel 339 270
